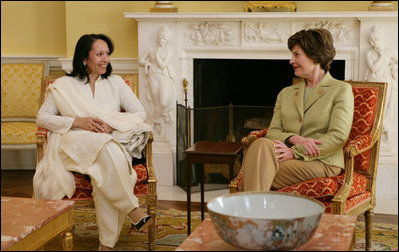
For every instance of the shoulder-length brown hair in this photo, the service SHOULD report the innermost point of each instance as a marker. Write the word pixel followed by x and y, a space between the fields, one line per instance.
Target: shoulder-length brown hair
pixel 317 45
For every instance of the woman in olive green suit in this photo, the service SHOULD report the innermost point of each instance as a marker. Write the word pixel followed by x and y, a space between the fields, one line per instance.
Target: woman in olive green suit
pixel 310 124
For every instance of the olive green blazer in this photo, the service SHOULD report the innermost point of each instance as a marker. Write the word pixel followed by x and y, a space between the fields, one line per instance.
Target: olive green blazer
pixel 326 116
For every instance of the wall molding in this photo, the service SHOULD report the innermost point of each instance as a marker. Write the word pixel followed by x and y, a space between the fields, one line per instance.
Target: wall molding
pixel 58 63
pixel 51 62
pixel 119 65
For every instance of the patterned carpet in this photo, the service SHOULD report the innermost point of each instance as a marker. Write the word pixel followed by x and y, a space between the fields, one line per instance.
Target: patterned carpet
pixel 171 231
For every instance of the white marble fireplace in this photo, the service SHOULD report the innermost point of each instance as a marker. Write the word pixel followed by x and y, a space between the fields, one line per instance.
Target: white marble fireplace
pixel 264 36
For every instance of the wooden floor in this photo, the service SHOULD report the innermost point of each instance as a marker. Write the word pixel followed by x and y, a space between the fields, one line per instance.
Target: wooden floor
pixel 19 184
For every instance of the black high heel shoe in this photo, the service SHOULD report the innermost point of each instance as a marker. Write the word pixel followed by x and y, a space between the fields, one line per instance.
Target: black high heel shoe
pixel 143 223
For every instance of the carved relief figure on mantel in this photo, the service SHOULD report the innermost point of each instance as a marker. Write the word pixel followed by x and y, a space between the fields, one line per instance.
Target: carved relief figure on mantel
pixel 262 32
pixel 159 84
pixel 210 33
pixel 383 66
pixel 339 31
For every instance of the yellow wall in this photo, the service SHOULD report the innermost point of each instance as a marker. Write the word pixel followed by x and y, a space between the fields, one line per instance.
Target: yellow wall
pixel 41 28
pixel 33 28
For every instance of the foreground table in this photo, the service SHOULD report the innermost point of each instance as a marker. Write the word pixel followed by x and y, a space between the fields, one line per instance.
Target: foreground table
pixel 210 153
pixel 334 233
pixel 27 224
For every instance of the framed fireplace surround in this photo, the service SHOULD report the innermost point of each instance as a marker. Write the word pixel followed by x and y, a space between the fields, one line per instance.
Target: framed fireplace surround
pixel 260 35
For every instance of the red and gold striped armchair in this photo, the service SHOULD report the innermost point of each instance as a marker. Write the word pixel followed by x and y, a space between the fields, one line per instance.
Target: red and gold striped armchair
pixel 145 188
pixel 353 191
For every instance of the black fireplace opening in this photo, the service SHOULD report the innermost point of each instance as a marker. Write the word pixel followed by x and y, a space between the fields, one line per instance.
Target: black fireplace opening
pixel 240 82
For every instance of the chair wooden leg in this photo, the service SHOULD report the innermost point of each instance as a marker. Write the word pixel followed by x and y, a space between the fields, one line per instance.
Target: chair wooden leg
pixel 368 216
pixel 67 240
pixel 151 208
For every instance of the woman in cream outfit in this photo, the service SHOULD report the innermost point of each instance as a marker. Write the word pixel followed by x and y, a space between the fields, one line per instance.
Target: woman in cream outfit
pixel 310 124
pixel 89 135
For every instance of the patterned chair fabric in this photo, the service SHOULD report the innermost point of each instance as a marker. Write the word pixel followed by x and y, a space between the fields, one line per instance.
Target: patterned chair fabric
pixel 84 188
pixel 20 89
pixel 363 122
pixel 145 188
pixel 18 133
pixel 20 102
pixel 353 191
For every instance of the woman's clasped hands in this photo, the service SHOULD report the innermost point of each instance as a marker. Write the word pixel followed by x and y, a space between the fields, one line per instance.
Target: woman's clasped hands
pixel 92 124
pixel 282 151
pixel 310 144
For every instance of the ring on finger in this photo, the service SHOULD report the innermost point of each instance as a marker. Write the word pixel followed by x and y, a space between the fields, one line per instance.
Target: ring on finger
pixel 90 127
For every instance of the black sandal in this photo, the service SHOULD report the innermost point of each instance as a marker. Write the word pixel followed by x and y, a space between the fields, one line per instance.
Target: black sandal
pixel 142 223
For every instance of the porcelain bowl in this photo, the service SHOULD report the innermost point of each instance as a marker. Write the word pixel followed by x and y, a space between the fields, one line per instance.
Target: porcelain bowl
pixel 265 221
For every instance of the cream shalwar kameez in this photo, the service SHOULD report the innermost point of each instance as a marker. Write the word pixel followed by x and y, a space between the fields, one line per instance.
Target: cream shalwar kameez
pixel 99 155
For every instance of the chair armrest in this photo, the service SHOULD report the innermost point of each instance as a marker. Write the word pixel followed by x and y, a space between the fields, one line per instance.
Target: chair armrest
pixel 246 142
pixel 358 145
pixel 355 147
pixel 253 135
pixel 234 184
pixel 41 138
pixel 148 153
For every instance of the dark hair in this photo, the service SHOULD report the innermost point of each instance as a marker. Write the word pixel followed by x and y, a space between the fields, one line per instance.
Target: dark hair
pixel 82 49
pixel 317 45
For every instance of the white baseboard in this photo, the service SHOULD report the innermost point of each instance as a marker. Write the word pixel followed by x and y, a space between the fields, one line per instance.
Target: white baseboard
pixel 386 206
pixel 18 159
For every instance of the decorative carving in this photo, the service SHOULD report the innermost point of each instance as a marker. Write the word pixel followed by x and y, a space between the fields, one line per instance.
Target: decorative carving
pixel 160 85
pixel 383 66
pixel 209 33
pixel 340 32
pixel 261 32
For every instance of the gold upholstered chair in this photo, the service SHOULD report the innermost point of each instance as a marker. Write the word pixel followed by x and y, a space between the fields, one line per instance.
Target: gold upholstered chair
pixel 146 185
pixel 20 102
pixel 353 191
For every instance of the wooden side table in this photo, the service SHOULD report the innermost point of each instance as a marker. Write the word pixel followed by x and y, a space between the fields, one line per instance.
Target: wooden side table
pixel 208 152
pixel 27 224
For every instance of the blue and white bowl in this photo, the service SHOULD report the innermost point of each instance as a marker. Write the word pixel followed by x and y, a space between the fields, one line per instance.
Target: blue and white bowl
pixel 265 221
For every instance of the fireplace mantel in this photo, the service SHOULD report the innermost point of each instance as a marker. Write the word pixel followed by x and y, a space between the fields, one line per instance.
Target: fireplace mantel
pixel 241 16
pixel 260 35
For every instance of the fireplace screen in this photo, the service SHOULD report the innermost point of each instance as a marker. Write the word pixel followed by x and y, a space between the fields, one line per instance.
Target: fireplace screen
pixel 219 123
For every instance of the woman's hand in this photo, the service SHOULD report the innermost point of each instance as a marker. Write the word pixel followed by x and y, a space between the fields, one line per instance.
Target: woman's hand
pixel 107 129
pixel 310 144
pixel 282 151
pixel 92 124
